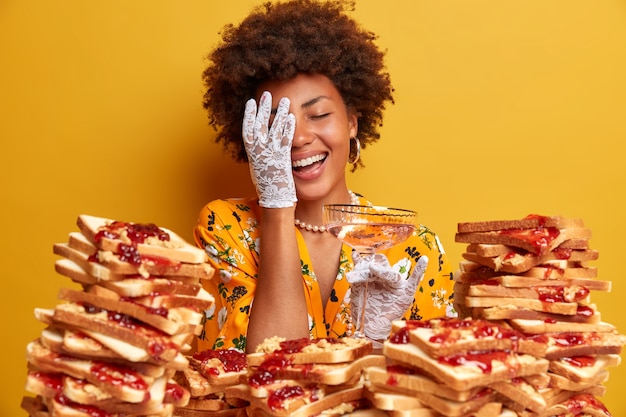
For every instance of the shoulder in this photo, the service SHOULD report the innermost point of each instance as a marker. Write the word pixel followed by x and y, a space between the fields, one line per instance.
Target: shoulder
pixel 230 205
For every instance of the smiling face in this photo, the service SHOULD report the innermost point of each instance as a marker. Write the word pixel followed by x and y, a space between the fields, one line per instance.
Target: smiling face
pixel 324 126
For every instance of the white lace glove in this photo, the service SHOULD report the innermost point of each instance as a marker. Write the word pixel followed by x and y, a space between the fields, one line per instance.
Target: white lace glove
pixel 269 151
pixel 389 292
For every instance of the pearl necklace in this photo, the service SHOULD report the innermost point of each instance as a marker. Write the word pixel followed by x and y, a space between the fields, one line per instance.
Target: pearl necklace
pixel 354 199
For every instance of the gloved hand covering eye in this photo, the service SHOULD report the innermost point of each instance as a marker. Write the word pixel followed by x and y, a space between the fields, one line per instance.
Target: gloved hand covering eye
pixel 269 151
pixel 388 293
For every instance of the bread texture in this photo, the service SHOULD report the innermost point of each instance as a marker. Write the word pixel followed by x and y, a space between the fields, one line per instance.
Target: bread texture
pixel 536 275
pixel 114 344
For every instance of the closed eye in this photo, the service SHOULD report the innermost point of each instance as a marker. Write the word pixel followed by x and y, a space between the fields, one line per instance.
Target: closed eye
pixel 320 116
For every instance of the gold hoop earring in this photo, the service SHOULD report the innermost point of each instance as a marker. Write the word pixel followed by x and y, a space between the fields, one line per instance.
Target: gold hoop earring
pixel 357 151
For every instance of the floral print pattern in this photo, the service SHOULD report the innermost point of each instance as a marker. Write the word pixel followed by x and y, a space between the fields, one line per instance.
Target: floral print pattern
pixel 229 232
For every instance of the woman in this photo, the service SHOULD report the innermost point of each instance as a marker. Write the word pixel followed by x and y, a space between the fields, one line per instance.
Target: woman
pixel 297 89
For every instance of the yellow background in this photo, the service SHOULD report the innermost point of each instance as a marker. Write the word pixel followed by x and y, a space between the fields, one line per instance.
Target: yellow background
pixel 503 108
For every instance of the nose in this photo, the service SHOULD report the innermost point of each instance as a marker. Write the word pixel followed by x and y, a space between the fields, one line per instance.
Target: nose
pixel 302 134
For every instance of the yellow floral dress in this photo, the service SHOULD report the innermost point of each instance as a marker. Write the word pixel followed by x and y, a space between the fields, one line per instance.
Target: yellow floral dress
pixel 229 232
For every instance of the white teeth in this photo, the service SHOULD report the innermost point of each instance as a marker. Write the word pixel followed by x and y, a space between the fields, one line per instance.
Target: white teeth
pixel 307 161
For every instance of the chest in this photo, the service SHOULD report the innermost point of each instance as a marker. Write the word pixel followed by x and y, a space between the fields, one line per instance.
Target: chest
pixel 325 257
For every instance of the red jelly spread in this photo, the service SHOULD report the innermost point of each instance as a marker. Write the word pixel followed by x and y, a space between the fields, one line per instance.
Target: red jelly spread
pixel 277 398
pixel 89 410
pixel 539 239
pixel 231 359
pixel 136 232
pixel 482 360
pixel 580 361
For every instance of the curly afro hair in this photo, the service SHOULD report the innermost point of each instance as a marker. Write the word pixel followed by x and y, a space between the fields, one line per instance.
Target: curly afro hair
pixel 279 40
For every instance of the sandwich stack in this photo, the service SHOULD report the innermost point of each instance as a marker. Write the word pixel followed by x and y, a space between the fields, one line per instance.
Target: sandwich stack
pixel 206 378
pixel 303 377
pixel 457 368
pixel 535 275
pixel 112 345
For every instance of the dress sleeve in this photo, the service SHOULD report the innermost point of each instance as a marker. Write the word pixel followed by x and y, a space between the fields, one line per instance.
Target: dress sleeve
pixel 434 296
pixel 228 231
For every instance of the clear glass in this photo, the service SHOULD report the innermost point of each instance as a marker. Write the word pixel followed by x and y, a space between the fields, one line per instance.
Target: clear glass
pixel 368 229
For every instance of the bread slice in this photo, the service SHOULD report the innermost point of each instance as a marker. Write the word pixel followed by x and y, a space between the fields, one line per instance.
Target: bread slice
pixel 515 262
pixel 531 221
pixel 521 392
pixel 119 382
pixel 148 238
pixel 517 281
pixel 564 308
pixel 554 326
pixel 220 366
pixel 561 382
pixel 543 293
pixel 132 286
pixel 168 320
pixel 323 373
pixel 302 351
pixel 409 380
pixel 584 314
pixel 129 263
pixel 583 404
pixel 537 241
pixel 296 400
pixel 583 369
pixel 570 344
pixel 479 369
pixel 159 346
pixel 448 336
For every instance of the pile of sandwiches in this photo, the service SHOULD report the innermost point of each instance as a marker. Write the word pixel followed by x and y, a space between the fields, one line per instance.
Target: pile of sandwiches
pixel 121 331
pixel 535 276
pixel 306 377
pixel 528 342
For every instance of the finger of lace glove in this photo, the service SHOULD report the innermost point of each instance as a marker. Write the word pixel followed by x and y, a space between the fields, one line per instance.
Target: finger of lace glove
pixel 384 304
pixel 269 151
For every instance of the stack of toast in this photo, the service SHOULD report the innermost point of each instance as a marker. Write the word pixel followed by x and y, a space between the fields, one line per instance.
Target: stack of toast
pixel 305 377
pixel 206 378
pixel 113 344
pixel 535 275
pixel 457 368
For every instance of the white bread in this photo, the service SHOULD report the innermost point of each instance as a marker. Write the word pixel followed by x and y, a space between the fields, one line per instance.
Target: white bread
pixel 409 381
pixel 528 304
pixel 385 400
pixel 584 314
pixel 583 404
pixel 553 326
pixel 561 345
pixel 583 369
pixel 447 407
pixel 469 375
pixel 311 401
pixel 516 262
pixel 49 361
pixel 130 286
pixel 107 234
pixel 220 366
pixel 168 320
pixel 301 351
pixel 122 265
pixel 327 374
pixel 537 241
pixel 528 222
pixel 159 346
pixel 447 336
pixel 521 392
pixel 545 293
pixel 519 281
pixel 560 382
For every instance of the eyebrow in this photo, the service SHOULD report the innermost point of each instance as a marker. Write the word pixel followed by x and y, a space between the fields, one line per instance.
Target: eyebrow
pixel 307 103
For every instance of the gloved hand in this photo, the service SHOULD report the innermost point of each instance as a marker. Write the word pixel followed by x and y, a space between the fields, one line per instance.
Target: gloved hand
pixel 269 151
pixel 388 292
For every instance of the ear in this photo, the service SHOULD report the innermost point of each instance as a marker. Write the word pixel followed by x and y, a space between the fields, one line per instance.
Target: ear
pixel 353 124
